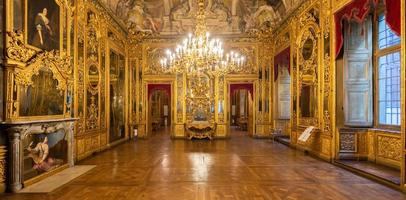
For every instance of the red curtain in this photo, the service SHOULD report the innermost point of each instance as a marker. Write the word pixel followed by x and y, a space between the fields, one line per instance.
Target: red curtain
pixel 154 87
pixel 240 86
pixel 358 9
pixel 282 58
pixel 392 15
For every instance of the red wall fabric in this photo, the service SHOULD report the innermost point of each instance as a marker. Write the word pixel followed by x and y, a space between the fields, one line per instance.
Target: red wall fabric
pixel 239 86
pixel 282 58
pixel 154 87
pixel 358 10
pixel 392 15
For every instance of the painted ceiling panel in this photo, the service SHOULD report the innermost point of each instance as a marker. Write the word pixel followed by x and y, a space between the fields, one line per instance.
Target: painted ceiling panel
pixel 169 17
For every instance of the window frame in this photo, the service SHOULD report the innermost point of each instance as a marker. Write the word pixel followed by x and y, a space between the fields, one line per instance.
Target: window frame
pixel 377 53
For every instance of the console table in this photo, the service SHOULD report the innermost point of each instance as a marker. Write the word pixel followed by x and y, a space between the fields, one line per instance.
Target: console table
pixel 200 129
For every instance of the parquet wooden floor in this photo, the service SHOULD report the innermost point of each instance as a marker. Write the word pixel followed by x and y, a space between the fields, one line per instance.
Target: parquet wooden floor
pixel 238 168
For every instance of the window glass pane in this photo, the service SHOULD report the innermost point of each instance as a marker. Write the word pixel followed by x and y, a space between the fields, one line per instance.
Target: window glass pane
pixel 386 38
pixel 389 89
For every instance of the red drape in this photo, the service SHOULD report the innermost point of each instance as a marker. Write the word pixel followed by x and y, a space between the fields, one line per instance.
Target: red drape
pixel 240 86
pixel 358 10
pixel 282 58
pixel 392 15
pixel 154 87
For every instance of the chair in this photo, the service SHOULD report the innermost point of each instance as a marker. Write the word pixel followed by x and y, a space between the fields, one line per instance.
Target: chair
pixel 274 133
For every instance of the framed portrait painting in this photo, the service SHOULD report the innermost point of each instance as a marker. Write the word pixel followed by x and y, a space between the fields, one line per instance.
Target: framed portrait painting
pixel 43 24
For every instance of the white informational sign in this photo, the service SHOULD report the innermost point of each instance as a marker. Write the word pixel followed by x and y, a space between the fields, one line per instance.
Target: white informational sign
pixel 306 134
pixel 165 110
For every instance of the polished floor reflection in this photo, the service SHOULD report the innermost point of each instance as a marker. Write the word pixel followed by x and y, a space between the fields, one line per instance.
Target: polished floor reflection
pixel 239 168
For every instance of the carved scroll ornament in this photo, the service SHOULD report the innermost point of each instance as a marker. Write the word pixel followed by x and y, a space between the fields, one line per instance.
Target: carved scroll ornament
pixel 57 62
pixel 17 50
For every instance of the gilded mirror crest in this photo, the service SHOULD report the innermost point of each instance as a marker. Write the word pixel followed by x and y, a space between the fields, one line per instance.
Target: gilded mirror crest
pixel 42 97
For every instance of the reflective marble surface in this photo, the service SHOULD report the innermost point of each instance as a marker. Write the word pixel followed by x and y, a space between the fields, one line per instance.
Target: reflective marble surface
pixel 238 168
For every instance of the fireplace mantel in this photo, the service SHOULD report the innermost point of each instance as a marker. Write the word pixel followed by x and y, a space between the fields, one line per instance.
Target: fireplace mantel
pixel 24 137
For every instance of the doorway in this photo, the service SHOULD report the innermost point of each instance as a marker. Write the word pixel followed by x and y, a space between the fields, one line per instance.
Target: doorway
pixel 241 109
pixel 159 108
pixel 282 103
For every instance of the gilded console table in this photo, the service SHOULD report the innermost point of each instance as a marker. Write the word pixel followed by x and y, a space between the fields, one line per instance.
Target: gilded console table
pixel 200 130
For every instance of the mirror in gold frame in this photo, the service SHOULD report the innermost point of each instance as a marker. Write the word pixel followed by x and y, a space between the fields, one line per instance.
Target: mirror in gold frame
pixel 117 95
pixel 41 98
pixel 93 74
pixel 308 77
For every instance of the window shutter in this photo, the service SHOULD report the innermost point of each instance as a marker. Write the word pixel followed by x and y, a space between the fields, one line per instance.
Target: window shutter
pixel 283 94
pixel 358 87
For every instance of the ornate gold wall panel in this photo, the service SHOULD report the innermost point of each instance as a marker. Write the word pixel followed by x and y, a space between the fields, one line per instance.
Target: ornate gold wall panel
pixel 312 20
pixel 96 33
pixel 387 148
pixel 81 67
pixel 370 144
pixel 152 50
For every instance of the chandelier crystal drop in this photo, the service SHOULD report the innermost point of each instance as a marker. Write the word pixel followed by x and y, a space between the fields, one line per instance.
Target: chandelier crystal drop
pixel 199 53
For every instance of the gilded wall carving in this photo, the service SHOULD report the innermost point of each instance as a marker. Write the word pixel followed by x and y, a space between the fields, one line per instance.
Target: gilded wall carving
pixel 17 50
pixel 97 31
pixel 310 68
pixel 153 56
pixel 220 100
pixel 179 99
pixel 389 147
pixel 348 142
pixel 58 63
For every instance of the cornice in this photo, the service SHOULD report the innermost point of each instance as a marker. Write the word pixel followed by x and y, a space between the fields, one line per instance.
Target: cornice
pixel 109 15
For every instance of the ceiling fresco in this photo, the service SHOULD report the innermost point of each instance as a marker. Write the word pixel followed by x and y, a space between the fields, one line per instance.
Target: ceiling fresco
pixel 169 17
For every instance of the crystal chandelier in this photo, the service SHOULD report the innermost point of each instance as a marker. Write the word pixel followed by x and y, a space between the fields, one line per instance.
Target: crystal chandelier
pixel 201 54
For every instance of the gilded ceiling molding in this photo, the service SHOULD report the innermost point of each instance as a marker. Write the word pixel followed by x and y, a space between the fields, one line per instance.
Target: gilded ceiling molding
pixel 108 16
pixel 292 18
pixel 136 37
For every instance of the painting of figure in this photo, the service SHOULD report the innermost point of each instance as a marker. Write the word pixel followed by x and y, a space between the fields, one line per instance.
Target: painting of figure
pixel 44 153
pixel 43 24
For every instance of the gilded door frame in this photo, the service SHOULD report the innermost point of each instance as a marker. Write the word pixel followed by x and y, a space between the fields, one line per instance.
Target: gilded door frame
pixel 253 79
pixel 150 79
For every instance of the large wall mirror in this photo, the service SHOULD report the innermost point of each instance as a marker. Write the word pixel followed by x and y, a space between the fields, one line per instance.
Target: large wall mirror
pixel 42 97
pixel 117 96
pixel 308 77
